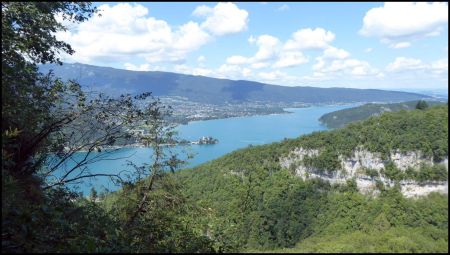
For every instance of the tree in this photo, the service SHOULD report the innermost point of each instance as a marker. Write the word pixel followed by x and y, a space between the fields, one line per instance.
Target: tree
pixel 93 196
pixel 45 120
pixel 421 105
pixel 28 97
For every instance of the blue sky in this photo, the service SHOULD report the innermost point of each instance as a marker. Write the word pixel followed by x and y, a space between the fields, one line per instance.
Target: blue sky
pixel 358 45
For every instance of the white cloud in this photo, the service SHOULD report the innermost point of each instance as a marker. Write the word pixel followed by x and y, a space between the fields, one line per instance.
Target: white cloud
pixel 237 60
pixel 268 47
pixel 202 11
pixel 202 71
pixel 400 22
pixel 336 62
pixel 400 45
pixel 233 71
pixel 270 53
pixel 368 50
pixel 413 70
pixel 193 70
pixel 224 18
pixel 268 50
pixel 348 67
pixel 259 65
pixel 277 77
pixel 440 66
pixel 310 39
pixel 289 59
pixel 284 7
pixel 405 65
pixel 125 32
pixel 190 37
pixel 143 67
pixel 335 53
pixel 201 59
pixel 251 39
pixel 402 64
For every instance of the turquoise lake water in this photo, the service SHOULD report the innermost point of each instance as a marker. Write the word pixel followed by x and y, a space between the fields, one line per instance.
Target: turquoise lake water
pixel 232 133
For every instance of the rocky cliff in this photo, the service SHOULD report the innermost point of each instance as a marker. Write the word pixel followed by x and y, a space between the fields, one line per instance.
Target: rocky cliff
pixel 357 165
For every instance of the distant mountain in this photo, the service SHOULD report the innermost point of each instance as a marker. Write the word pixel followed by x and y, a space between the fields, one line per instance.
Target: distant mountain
pixel 216 91
pixel 343 117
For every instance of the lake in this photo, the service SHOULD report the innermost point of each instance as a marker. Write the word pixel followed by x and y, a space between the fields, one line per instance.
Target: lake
pixel 232 133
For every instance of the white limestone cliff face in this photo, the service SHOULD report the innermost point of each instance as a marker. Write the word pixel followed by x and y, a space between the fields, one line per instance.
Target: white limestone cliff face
pixel 297 155
pixel 353 167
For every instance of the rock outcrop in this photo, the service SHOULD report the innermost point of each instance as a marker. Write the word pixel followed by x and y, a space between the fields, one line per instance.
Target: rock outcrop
pixel 362 159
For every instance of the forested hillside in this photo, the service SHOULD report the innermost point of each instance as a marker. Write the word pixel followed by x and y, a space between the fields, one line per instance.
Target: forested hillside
pixel 341 118
pixel 214 91
pixel 252 203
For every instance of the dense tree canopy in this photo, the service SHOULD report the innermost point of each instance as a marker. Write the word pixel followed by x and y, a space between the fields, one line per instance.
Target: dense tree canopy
pixel 45 121
pixel 257 205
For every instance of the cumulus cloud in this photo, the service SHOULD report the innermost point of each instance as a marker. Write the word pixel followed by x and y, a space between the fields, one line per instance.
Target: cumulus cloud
pixel 307 38
pixel 237 60
pixel 143 67
pixel 277 77
pixel 125 32
pixel 336 62
pixel 270 53
pixel 233 71
pixel 342 65
pixel 202 11
pixel 224 18
pixel 268 50
pixel 402 64
pixel 398 23
pixel 289 59
pixel 335 53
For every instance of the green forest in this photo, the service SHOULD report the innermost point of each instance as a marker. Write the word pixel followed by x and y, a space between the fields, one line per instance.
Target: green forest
pixel 343 117
pixel 242 202
pixel 269 208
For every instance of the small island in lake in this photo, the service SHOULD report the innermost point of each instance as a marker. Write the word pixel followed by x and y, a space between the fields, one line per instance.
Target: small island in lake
pixel 206 140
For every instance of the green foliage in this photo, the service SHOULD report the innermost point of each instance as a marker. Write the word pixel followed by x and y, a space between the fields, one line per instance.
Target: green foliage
pixel 426 173
pixel 265 211
pixel 421 105
pixel 341 118
pixel 372 173
pixel 392 172
pixel 258 206
pixel 326 163
pixel 45 119
pixel 93 196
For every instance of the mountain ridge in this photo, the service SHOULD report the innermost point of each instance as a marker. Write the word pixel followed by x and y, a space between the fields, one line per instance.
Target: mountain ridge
pixel 216 90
